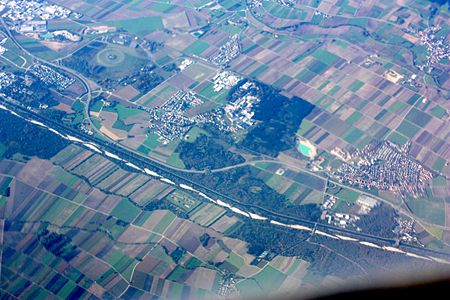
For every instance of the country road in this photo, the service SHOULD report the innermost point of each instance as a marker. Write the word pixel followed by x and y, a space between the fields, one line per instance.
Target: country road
pixel 212 193
pixel 182 175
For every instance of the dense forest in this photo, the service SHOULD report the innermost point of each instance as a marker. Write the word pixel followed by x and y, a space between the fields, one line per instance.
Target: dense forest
pixel 79 61
pixel 380 221
pixel 164 204
pixel 204 153
pixel 325 255
pixel 278 119
pixel 33 95
pixel 243 185
pixel 58 244
pixel 145 79
pixel 287 242
pixel 21 136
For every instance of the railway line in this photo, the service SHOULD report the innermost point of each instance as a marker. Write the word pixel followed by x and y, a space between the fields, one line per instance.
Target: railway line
pixel 275 217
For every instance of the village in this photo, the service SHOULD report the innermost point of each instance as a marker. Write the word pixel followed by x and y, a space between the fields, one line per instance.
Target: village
pixel 227 52
pixel 171 121
pixel 384 166
pixel 6 79
pixel 438 49
pixel 51 77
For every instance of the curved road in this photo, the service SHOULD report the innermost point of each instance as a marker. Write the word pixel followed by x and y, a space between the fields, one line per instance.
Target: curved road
pixel 145 160
pixel 181 179
pixel 88 94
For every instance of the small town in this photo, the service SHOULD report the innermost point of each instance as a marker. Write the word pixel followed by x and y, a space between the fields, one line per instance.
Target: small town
pixel 233 117
pixel 227 286
pixel 385 166
pixel 170 121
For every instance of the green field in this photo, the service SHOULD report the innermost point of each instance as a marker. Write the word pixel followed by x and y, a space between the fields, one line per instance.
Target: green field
pixel 4 185
pixel 139 26
pixel 325 56
pixel 270 279
pixel 356 85
pixel 431 210
pixel 125 211
pixel 164 223
pixel 408 129
pixel 197 47
pixel 123 111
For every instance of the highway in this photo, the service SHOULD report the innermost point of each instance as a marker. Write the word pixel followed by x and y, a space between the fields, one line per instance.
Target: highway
pixel 88 96
pixel 200 187
pixel 179 175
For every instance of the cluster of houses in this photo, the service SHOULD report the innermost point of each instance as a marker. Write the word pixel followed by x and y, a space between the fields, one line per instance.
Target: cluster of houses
pixel 51 77
pixel 229 51
pixel 6 79
pixel 438 47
